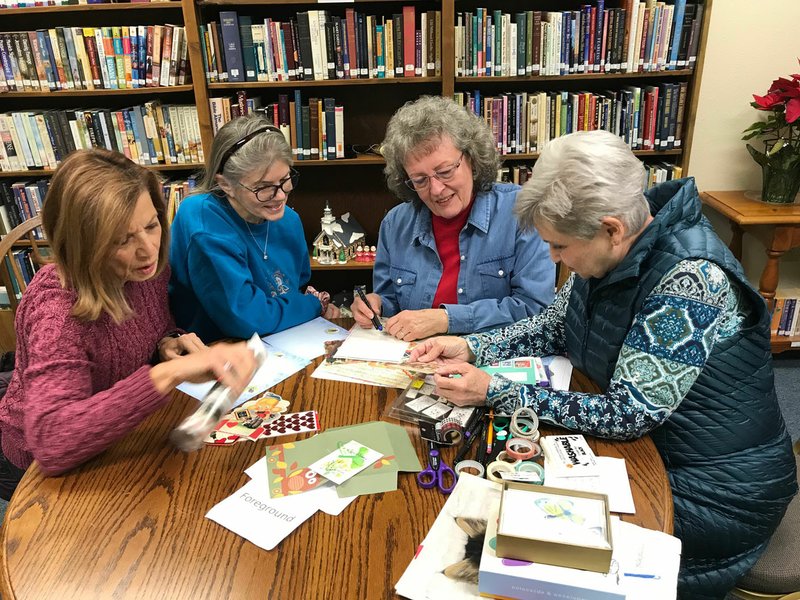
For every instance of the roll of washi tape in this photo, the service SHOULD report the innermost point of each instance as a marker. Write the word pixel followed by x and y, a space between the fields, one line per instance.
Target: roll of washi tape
pixel 450 431
pixel 494 468
pixel 527 466
pixel 500 423
pixel 504 456
pixel 501 435
pixel 522 449
pixel 525 423
pixel 469 464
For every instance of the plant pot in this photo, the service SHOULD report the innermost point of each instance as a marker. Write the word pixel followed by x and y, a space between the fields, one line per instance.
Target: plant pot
pixel 779 184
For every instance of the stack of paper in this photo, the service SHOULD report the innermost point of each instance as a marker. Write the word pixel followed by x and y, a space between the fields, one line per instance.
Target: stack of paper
pixel 283 492
pixel 287 353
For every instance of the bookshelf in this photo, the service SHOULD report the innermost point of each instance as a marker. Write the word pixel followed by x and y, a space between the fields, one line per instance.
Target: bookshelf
pixel 354 183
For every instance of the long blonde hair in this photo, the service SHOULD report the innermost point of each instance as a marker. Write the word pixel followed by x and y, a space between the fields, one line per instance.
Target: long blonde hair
pixel 89 205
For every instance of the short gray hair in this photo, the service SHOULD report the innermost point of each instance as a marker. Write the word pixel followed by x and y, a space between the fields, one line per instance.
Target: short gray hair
pixel 262 150
pixel 419 126
pixel 580 178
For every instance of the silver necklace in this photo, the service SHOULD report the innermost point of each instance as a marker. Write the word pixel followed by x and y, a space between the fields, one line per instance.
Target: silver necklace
pixel 266 238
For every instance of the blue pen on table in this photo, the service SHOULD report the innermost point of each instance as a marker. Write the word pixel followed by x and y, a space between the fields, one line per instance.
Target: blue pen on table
pixel 376 322
pixel 642 575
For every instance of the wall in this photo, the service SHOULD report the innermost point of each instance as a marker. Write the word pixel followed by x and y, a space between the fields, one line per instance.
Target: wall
pixel 749 45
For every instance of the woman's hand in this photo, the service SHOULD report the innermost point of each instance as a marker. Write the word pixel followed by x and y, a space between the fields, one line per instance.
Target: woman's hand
pixel 332 312
pixel 362 313
pixel 410 325
pixel 173 347
pixel 231 364
pixel 462 384
pixel 446 349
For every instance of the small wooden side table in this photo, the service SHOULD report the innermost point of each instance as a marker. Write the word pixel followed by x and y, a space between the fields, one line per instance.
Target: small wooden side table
pixel 784 220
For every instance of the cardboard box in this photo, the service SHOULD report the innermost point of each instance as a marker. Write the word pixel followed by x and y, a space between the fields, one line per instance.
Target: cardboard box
pixel 554 526
pixel 507 578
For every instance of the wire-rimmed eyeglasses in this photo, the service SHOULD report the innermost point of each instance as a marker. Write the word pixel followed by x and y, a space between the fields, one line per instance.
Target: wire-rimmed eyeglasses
pixel 267 193
pixel 424 181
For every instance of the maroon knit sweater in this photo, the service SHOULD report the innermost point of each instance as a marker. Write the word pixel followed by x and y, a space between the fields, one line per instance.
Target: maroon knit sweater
pixel 79 386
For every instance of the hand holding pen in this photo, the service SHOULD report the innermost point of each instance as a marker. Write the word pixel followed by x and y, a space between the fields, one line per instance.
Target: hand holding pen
pixel 368 312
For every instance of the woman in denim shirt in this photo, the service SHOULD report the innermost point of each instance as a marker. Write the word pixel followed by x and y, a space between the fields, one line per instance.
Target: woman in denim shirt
pixel 452 258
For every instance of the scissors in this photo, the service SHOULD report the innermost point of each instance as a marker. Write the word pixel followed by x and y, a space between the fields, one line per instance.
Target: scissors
pixel 436 473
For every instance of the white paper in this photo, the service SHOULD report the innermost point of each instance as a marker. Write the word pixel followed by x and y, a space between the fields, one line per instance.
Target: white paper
pixel 278 366
pixel 371 344
pixel 560 371
pixel 612 481
pixel 444 544
pixel 307 340
pixel 265 521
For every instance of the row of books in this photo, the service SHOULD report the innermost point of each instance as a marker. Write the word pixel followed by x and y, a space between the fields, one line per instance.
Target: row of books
pixel 314 129
pixel 786 317
pixel 647 118
pixel 659 172
pixel 88 58
pixel 317 45
pixel 34 3
pixel 655 173
pixel 638 37
pixel 23 200
pixel 20 201
pixel 149 134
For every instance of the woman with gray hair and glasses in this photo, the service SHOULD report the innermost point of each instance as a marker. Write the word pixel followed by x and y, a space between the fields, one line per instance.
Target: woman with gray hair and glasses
pixel 660 315
pixel 238 253
pixel 452 258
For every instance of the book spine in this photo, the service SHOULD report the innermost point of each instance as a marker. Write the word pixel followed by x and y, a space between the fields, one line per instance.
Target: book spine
pixel 229 22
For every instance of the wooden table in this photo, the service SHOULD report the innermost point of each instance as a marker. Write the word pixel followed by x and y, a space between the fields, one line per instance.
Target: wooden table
pixel 130 523
pixel 783 223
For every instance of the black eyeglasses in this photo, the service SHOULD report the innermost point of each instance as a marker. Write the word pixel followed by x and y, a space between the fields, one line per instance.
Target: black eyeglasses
pixel 422 182
pixel 236 145
pixel 266 193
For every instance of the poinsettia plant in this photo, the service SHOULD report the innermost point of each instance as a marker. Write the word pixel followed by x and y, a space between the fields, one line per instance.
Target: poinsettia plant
pixel 780 132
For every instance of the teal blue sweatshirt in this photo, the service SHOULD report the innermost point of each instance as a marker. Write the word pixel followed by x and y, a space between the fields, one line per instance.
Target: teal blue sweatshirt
pixel 222 286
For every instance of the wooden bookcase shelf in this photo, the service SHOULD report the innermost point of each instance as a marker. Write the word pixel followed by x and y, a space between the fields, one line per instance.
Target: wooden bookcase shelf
pixel 71 8
pixel 145 91
pixel 355 184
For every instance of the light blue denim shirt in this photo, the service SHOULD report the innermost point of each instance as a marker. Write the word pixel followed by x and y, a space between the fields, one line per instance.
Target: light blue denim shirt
pixel 506 273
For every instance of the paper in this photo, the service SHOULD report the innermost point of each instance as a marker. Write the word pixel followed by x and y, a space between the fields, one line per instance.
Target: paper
pixel 526 370
pixel 611 481
pixel 371 344
pixel 445 544
pixel 265 521
pixel 278 366
pixel 307 340
pixel 347 460
pixel 289 474
pixel 383 374
pixel 560 371
pixel 329 501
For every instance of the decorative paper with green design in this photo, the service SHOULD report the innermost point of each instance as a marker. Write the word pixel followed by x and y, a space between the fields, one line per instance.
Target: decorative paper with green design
pixel 287 464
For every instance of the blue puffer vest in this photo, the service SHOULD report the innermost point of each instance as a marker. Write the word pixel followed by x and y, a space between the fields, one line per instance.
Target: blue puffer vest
pixel 725 448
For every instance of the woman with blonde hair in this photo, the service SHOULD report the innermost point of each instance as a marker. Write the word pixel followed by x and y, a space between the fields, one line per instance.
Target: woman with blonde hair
pixel 97 349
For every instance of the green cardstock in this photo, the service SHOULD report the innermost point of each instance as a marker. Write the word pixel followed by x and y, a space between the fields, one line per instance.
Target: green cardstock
pixel 390 440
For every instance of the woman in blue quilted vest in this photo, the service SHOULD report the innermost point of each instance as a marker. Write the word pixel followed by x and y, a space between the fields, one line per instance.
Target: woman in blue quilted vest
pixel 660 315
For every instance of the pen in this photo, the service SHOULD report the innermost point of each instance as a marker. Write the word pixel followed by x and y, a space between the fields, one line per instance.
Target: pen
pixel 376 322
pixel 642 575
pixel 472 433
pixel 482 448
pixel 490 428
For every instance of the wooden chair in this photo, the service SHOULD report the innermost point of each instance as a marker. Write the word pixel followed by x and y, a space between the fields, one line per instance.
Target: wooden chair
pixel 776 575
pixel 10 269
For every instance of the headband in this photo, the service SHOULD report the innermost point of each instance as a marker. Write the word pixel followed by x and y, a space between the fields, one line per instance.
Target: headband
pixel 236 145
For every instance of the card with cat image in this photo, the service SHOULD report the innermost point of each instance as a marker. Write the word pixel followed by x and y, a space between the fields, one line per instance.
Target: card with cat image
pixel 344 462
